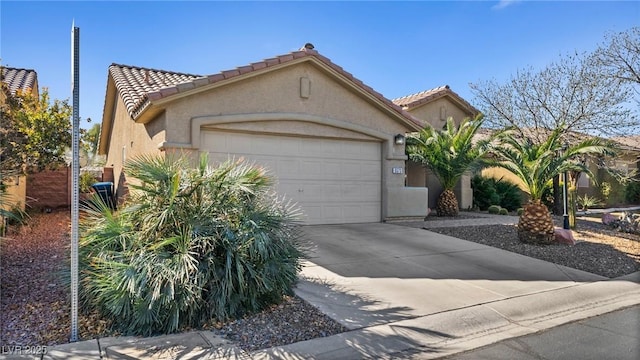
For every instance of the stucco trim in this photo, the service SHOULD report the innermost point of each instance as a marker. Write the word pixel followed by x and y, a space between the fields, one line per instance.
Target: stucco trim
pixel 198 122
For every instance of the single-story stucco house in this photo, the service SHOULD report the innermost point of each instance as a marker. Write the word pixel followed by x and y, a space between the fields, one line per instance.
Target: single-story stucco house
pixel 335 145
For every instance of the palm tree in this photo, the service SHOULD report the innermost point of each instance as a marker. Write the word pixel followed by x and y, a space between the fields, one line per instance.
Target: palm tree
pixel 536 164
pixel 449 153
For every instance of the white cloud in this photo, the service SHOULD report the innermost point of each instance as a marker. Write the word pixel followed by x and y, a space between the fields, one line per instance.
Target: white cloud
pixel 504 3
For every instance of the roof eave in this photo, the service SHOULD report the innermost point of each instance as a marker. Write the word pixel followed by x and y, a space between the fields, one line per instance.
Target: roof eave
pixel 158 100
pixel 107 117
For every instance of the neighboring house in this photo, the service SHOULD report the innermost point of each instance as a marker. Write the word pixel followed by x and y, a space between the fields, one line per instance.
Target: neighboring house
pixel 433 107
pixel 334 144
pixel 25 81
pixel 626 163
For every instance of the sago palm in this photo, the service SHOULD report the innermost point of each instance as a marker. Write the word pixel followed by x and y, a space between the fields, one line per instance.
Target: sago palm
pixel 448 153
pixel 536 164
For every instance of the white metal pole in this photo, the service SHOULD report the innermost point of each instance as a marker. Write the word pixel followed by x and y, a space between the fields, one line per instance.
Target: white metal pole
pixel 75 176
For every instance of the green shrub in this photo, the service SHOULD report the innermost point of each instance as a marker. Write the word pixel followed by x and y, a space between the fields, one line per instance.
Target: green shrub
pixel 490 191
pixel 484 192
pixel 190 245
pixel 494 209
pixel 509 193
pixel 520 211
pixel 504 211
pixel 632 192
pixel 85 181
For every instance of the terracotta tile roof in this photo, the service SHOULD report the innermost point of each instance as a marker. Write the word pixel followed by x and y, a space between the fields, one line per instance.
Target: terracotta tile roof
pixel 414 100
pixel 135 83
pixel 138 93
pixel 19 79
pixel 631 142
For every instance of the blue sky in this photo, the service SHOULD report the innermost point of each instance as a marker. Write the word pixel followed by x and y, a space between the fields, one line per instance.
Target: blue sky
pixel 398 48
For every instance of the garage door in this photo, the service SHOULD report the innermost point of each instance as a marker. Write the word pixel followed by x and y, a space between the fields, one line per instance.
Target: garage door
pixel 334 181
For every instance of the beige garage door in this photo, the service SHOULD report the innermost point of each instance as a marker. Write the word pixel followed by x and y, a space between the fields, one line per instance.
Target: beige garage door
pixel 334 181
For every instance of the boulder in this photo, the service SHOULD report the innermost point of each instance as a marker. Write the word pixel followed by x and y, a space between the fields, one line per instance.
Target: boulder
pixel 564 236
pixel 608 218
pixel 428 213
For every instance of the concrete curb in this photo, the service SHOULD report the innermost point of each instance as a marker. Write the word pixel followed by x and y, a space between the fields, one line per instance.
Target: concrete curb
pixel 443 334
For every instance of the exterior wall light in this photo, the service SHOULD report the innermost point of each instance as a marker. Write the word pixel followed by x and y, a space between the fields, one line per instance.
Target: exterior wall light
pixel 399 139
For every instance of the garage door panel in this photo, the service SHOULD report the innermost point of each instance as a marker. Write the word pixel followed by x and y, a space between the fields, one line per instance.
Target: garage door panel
pixel 311 169
pixel 334 181
pixel 352 170
pixel 331 169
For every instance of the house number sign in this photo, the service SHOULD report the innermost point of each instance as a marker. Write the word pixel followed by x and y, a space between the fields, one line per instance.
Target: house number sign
pixel 397 170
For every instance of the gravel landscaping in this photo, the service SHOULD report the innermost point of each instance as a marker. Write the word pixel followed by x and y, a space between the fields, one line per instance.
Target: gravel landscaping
pixel 598 249
pixel 34 305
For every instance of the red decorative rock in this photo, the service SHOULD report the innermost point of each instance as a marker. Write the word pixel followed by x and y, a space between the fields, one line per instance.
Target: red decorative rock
pixel 428 213
pixel 564 236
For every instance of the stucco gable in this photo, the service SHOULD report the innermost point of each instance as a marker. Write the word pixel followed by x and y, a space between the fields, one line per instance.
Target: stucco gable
pixel 413 101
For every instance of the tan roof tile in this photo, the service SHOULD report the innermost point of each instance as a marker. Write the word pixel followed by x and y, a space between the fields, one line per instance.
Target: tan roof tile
pixel 137 86
pixel 19 79
pixel 414 100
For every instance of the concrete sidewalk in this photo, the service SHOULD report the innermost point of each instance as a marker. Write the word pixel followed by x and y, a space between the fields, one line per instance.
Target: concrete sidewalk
pixel 404 293
pixel 614 335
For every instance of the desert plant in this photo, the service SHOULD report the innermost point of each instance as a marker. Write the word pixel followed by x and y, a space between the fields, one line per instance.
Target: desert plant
pixel 605 190
pixel 503 211
pixel 190 244
pixel 520 211
pixel 627 222
pixel 536 164
pixel 585 201
pixel 494 209
pixel 449 153
pixel 85 181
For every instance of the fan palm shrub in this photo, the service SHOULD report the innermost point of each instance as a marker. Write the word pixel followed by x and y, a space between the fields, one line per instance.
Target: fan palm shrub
pixel 449 153
pixel 191 244
pixel 536 164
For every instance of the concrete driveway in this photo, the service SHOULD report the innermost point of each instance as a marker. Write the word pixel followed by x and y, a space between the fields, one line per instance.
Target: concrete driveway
pixel 409 288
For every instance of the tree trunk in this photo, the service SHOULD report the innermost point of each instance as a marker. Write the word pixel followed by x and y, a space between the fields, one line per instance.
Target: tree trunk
pixel 536 225
pixel 558 207
pixel 572 195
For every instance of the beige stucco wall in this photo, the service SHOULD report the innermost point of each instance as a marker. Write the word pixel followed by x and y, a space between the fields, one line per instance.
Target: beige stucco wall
pixel 279 91
pixel 16 192
pixel 437 112
pixel 129 139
